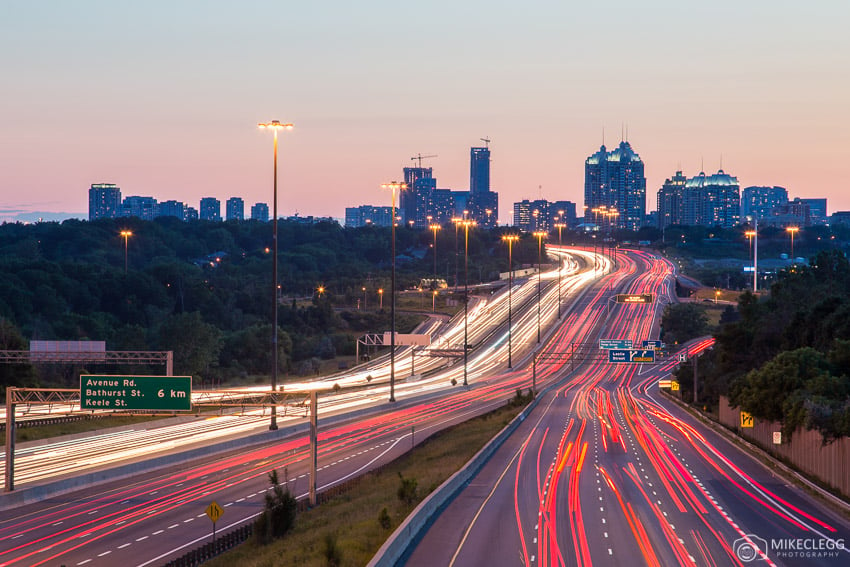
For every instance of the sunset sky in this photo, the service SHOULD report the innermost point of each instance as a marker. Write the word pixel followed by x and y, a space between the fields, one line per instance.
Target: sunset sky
pixel 163 98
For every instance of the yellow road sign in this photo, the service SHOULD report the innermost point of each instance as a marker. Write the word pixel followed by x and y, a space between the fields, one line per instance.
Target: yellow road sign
pixel 746 419
pixel 674 386
pixel 214 511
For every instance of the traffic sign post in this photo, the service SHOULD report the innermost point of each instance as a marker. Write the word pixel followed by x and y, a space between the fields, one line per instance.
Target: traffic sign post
pixel 214 512
pixel 653 344
pixel 136 393
pixel 746 420
pixel 631 356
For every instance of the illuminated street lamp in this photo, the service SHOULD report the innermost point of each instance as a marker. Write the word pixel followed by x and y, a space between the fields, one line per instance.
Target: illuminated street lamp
pixel 274 126
pixel 393 187
pixel 125 234
pixel 364 298
pixel 456 221
pixel 434 228
pixel 750 234
pixel 320 290
pixel 466 224
pixel 540 235
pixel 510 239
pixel 560 226
pixel 792 230
pixel 381 298
pixel 434 300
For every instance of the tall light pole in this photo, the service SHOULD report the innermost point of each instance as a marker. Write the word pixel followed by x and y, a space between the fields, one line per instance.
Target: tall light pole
pixel 510 239
pixel 274 126
pixel 560 226
pixel 456 221
pixel 393 186
pixel 750 234
pixel 381 298
pixel 125 234
pixel 466 224
pixel 792 230
pixel 755 254
pixel 364 298
pixel 434 228
pixel 539 234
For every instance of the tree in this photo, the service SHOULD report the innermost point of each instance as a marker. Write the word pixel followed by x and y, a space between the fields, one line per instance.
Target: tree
pixel 682 322
pixel 196 344
pixel 19 375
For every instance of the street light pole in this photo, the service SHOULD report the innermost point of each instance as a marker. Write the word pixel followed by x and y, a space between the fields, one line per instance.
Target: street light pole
pixel 456 221
pixel 466 225
pixel 274 125
pixel 510 239
pixel 435 227
pixel 393 187
pixel 560 226
pixel 539 234
pixel 792 230
pixel 126 234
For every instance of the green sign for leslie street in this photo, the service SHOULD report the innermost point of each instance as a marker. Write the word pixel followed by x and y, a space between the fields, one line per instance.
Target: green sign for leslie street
pixel 147 393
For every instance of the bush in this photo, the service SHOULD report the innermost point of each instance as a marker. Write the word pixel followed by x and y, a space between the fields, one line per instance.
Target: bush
pixel 384 519
pixel 278 517
pixel 407 489
pixel 332 551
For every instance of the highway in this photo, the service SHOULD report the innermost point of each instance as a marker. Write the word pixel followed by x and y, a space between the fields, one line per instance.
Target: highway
pixel 157 516
pixel 607 471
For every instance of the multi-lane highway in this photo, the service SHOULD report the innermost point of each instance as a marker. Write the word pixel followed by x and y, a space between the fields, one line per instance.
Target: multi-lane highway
pixel 607 471
pixel 152 517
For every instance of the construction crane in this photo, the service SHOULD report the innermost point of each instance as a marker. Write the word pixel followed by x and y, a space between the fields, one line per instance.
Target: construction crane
pixel 486 142
pixel 420 157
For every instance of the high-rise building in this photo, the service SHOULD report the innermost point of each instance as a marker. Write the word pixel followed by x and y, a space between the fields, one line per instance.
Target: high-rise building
pixel 563 212
pixel 210 209
pixel 190 213
pixel 483 204
pixel 442 205
pixel 366 215
pixel 615 180
pixel 413 203
pixel 711 200
pixel 235 209
pixel 758 202
pixel 533 215
pixel 817 209
pixel 104 201
pixel 479 170
pixel 670 201
pixel 145 208
pixel 260 212
pixel 172 209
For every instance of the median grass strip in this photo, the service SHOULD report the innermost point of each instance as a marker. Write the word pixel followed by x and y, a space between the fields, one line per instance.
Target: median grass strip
pixel 349 528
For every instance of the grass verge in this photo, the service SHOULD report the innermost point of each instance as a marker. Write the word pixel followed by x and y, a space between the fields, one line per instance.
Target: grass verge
pixel 348 529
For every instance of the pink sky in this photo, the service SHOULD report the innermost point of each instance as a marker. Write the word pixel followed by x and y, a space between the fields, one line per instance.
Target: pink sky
pixel 163 98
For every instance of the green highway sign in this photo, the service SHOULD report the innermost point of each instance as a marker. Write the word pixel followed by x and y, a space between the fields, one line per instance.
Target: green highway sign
pixel 148 393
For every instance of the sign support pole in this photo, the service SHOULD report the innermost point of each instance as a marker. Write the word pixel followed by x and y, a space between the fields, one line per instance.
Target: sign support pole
pixel 10 439
pixel 314 422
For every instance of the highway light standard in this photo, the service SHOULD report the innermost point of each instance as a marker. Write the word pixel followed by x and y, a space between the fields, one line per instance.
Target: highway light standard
pixel 434 228
pixel 456 221
pixel 539 234
pixel 274 126
pixel 381 298
pixel 466 224
pixel 125 234
pixel 510 239
pixel 393 187
pixel 560 226
pixel 792 230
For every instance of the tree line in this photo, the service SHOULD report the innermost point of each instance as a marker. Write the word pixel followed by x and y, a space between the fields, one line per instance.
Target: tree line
pixel 204 289
pixel 786 356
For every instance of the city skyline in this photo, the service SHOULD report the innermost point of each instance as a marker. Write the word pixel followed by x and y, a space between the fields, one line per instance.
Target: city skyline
pixel 169 106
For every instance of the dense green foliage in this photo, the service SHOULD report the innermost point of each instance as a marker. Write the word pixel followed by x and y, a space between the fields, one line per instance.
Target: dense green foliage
pixel 278 515
pixel 682 322
pixel 203 289
pixel 787 358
